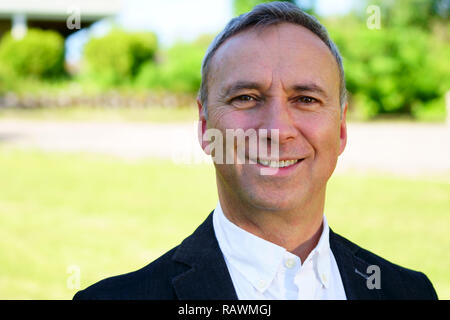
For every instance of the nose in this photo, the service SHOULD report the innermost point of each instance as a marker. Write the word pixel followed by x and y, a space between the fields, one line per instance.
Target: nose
pixel 277 116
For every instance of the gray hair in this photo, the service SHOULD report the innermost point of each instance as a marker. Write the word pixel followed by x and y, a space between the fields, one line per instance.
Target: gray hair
pixel 267 14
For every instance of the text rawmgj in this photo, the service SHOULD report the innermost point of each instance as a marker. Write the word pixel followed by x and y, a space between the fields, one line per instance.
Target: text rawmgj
pixel 225 309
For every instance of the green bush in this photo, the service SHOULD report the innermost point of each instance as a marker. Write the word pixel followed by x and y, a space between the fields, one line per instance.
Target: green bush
pixel 393 70
pixel 243 6
pixel 116 57
pixel 39 54
pixel 432 111
pixel 178 72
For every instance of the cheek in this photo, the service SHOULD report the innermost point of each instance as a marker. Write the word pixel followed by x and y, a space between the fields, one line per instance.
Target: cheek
pixel 226 117
pixel 323 133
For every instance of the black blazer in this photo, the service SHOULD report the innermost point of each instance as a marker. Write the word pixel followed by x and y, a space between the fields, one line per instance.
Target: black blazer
pixel 196 270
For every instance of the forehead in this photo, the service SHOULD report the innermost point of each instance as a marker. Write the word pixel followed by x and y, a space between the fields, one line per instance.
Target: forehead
pixel 285 51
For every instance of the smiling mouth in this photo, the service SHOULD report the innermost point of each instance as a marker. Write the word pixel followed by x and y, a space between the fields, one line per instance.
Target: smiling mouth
pixel 278 164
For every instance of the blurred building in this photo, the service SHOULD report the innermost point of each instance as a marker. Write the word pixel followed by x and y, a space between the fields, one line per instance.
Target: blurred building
pixel 64 16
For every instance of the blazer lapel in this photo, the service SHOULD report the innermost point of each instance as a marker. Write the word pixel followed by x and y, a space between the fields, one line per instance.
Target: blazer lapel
pixel 208 278
pixel 352 269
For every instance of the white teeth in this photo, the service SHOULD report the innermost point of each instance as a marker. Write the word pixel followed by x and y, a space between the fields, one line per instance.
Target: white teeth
pixel 277 164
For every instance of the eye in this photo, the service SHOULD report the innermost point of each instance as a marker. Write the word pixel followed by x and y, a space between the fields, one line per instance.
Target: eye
pixel 244 98
pixel 244 101
pixel 307 100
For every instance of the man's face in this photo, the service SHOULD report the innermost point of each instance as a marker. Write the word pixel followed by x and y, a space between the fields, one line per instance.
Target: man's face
pixel 282 77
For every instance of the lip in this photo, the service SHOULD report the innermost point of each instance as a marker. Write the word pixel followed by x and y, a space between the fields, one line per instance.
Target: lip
pixel 276 159
pixel 282 159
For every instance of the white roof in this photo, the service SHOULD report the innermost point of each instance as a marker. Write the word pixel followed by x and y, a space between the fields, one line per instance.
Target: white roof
pixel 60 9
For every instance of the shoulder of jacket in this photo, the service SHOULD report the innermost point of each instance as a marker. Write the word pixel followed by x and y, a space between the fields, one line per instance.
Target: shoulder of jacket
pixel 136 284
pixel 414 283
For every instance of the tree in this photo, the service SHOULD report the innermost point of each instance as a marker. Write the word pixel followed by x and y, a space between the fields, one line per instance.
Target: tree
pixel 400 68
pixel 39 54
pixel 418 13
pixel 242 6
pixel 118 56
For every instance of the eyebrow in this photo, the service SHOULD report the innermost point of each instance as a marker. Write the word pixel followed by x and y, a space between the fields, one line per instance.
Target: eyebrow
pixel 310 87
pixel 241 85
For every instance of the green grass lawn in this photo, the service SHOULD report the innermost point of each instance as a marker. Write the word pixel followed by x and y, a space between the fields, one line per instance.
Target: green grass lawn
pixel 108 216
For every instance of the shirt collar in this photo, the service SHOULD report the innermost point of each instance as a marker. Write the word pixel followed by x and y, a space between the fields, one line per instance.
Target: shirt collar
pixel 322 255
pixel 259 260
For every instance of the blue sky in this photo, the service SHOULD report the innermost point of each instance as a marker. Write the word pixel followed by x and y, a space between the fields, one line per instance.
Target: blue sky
pixel 174 20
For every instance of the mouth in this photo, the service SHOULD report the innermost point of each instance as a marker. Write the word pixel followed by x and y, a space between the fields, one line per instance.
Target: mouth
pixel 279 164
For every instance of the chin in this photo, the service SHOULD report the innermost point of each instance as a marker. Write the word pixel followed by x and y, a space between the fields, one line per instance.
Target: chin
pixel 271 203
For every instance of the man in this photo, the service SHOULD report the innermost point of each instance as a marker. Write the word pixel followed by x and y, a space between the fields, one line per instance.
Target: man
pixel 272 69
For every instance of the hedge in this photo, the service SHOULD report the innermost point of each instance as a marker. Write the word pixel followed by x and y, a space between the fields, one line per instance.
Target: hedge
pixel 117 57
pixel 39 54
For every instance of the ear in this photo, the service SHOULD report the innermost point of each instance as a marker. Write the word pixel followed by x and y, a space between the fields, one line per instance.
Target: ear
pixel 202 127
pixel 343 129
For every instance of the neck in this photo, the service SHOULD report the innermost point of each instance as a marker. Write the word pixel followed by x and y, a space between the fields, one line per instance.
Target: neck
pixel 298 229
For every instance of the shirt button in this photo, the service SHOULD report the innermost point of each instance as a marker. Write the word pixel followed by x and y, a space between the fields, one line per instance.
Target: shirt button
pixel 261 284
pixel 289 263
pixel 324 278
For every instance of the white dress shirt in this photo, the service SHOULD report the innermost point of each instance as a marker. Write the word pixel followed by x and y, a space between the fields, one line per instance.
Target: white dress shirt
pixel 261 269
